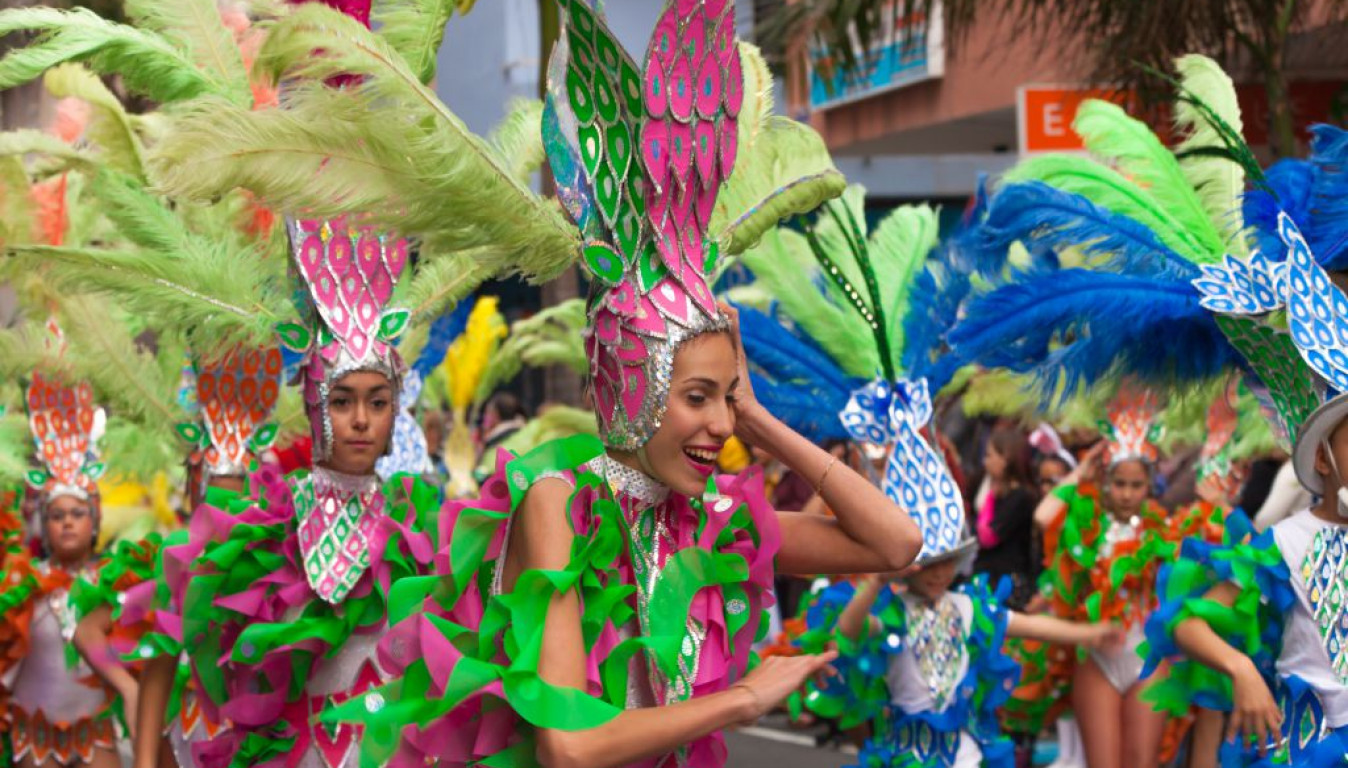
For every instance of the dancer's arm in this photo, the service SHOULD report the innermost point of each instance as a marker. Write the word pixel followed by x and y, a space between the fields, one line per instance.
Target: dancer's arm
pixel 1051 507
pixel 156 686
pixel 1050 629
pixel 1253 708
pixel 868 533
pixel 542 540
pixel 91 640
pixel 856 621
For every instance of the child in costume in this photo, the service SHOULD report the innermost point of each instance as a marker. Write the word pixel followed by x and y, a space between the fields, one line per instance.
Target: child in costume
pixel 58 714
pixel 1104 544
pixel 1266 641
pixel 925 663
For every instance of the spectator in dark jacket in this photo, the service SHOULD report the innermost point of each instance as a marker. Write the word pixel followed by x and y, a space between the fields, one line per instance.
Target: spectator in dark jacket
pixel 1004 513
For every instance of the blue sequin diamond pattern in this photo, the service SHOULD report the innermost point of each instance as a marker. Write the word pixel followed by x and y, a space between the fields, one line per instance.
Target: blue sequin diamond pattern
pixel 1324 569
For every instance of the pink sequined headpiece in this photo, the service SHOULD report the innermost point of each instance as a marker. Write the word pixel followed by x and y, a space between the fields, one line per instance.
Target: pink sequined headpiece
pixel 349 273
pixel 1131 431
pixel 639 159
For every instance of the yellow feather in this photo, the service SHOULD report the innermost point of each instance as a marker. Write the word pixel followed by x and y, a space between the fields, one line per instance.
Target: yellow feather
pixel 467 358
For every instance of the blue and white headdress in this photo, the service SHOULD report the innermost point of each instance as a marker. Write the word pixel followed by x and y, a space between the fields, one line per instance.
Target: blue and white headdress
pixel 852 344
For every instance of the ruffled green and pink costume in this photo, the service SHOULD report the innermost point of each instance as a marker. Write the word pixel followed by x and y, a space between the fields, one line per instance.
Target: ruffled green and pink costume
pixel 672 591
pixel 278 630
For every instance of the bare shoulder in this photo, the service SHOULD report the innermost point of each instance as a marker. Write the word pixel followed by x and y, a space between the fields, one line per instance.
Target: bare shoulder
pixel 543 532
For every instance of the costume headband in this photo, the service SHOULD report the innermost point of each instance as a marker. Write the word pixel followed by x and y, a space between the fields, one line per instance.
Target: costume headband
pixel 348 273
pixel 235 397
pixel 1131 430
pixel 64 422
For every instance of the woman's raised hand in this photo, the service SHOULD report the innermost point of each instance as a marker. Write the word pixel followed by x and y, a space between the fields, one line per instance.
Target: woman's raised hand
pixel 745 401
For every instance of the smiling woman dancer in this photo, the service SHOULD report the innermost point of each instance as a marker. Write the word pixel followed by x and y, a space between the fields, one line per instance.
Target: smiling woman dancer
pixel 609 592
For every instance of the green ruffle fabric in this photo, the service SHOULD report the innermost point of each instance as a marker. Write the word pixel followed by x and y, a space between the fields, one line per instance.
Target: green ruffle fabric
pixel 1253 624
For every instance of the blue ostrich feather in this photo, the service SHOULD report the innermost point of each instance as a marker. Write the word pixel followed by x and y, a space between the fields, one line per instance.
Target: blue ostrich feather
pixel 1045 220
pixel 795 380
pixel 1329 205
pixel 933 308
pixel 1314 193
pixel 1086 326
pixel 1290 189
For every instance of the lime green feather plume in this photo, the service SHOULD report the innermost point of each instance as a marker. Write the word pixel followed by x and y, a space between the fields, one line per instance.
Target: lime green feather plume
pixel 1109 133
pixel 16 205
pixel 783 264
pixel 147 62
pixel 109 126
pixel 415 29
pixel 16 446
pixel 196 28
pixel 29 141
pixel 1109 189
pixel 518 138
pixel 894 253
pixel 441 282
pixel 424 174
pixel 1006 394
pixel 783 167
pixel 1218 181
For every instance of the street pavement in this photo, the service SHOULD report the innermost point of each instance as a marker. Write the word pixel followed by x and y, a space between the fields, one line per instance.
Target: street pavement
pixel 766 746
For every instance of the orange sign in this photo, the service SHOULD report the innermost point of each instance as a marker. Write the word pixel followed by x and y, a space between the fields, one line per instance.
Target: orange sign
pixel 1044 115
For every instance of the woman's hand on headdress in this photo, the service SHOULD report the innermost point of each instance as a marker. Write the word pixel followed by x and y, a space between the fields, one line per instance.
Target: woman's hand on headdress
pixel 746 403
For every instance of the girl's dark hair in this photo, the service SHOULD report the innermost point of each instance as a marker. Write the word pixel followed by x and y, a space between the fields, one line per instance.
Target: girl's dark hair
pixel 1013 445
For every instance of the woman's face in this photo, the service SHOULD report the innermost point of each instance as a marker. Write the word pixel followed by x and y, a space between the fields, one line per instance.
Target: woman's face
pixel 699 417
pixel 994 463
pixel 1127 485
pixel 70 528
pixel 360 406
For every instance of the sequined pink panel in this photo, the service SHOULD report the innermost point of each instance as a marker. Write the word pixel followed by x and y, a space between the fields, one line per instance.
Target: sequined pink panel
pixel 693 92
pixel 351 272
